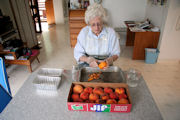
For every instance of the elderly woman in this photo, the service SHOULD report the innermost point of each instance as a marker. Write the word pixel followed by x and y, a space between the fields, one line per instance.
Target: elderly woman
pixel 96 42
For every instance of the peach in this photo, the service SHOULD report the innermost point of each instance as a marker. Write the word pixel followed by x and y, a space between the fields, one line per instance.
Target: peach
pixel 105 96
pixel 98 90
pixel 89 101
pixel 88 90
pixel 123 101
pixel 75 96
pixel 78 89
pixel 84 95
pixel 79 100
pixel 100 101
pixel 122 96
pixel 111 101
pixel 92 101
pixel 120 90
pixel 93 96
pixel 113 95
pixel 102 65
pixel 108 90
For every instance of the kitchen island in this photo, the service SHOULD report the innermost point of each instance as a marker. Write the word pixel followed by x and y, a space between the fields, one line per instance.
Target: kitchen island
pixel 30 104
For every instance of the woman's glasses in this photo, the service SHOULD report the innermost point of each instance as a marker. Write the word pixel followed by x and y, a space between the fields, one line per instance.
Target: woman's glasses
pixel 96 24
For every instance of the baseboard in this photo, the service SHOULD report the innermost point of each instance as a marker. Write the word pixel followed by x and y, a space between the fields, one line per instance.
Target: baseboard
pixel 169 61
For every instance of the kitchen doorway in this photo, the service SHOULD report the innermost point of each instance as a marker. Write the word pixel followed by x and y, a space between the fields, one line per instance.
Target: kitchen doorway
pixel 42 13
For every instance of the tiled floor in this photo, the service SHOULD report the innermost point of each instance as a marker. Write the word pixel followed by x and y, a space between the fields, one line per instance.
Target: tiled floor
pixel 163 79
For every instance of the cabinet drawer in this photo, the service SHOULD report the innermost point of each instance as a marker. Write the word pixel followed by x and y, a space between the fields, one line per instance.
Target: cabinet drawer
pixel 77 21
pixel 75 30
pixel 77 25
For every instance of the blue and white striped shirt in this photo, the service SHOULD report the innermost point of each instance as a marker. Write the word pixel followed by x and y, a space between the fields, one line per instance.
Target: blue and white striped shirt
pixel 106 43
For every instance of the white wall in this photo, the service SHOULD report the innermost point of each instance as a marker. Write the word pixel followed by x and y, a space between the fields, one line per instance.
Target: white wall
pixel 170 43
pixel 122 10
pixel 58 11
pixel 157 14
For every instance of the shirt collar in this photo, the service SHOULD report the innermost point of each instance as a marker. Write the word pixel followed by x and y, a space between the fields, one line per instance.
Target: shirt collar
pixel 103 32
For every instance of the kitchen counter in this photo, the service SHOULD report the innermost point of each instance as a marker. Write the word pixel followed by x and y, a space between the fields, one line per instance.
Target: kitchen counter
pixel 28 104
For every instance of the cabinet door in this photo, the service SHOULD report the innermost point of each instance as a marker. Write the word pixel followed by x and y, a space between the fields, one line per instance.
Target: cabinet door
pixel 73 43
pixel 75 30
pixel 73 38
pixel 50 12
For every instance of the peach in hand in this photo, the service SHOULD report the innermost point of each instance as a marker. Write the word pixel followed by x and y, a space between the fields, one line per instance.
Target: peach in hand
pixel 102 65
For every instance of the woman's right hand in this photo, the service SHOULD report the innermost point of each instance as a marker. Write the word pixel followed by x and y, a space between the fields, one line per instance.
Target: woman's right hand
pixel 92 62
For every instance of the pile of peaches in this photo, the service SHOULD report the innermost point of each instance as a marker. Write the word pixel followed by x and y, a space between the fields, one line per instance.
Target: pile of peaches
pixel 99 95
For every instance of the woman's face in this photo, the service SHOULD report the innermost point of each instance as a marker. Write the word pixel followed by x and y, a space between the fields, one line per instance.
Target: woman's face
pixel 96 25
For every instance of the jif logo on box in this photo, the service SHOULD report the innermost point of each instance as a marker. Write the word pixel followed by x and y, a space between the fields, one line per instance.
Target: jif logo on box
pixel 100 108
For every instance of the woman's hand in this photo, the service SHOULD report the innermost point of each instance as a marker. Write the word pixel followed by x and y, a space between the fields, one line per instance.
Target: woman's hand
pixel 109 61
pixel 92 62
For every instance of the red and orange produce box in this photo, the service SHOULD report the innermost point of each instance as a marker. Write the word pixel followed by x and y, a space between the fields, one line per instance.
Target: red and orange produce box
pixel 99 97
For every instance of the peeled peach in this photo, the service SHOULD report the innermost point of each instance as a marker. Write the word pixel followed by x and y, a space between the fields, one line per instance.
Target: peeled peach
pixel 88 90
pixel 111 101
pixel 105 96
pixel 113 95
pixel 108 90
pixel 102 65
pixel 98 90
pixel 120 90
pixel 84 95
pixel 78 89
pixel 123 101
pixel 93 97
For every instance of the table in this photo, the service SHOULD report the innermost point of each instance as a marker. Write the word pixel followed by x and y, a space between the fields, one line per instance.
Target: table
pixel 22 62
pixel 28 104
pixel 141 40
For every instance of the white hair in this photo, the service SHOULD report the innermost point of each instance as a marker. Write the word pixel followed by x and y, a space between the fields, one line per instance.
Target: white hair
pixel 95 10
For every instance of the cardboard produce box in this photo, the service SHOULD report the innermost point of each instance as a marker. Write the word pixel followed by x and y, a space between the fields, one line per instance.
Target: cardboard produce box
pixel 95 107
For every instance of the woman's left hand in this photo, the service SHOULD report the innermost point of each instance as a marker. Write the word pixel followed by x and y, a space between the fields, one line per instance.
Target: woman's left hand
pixel 109 61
